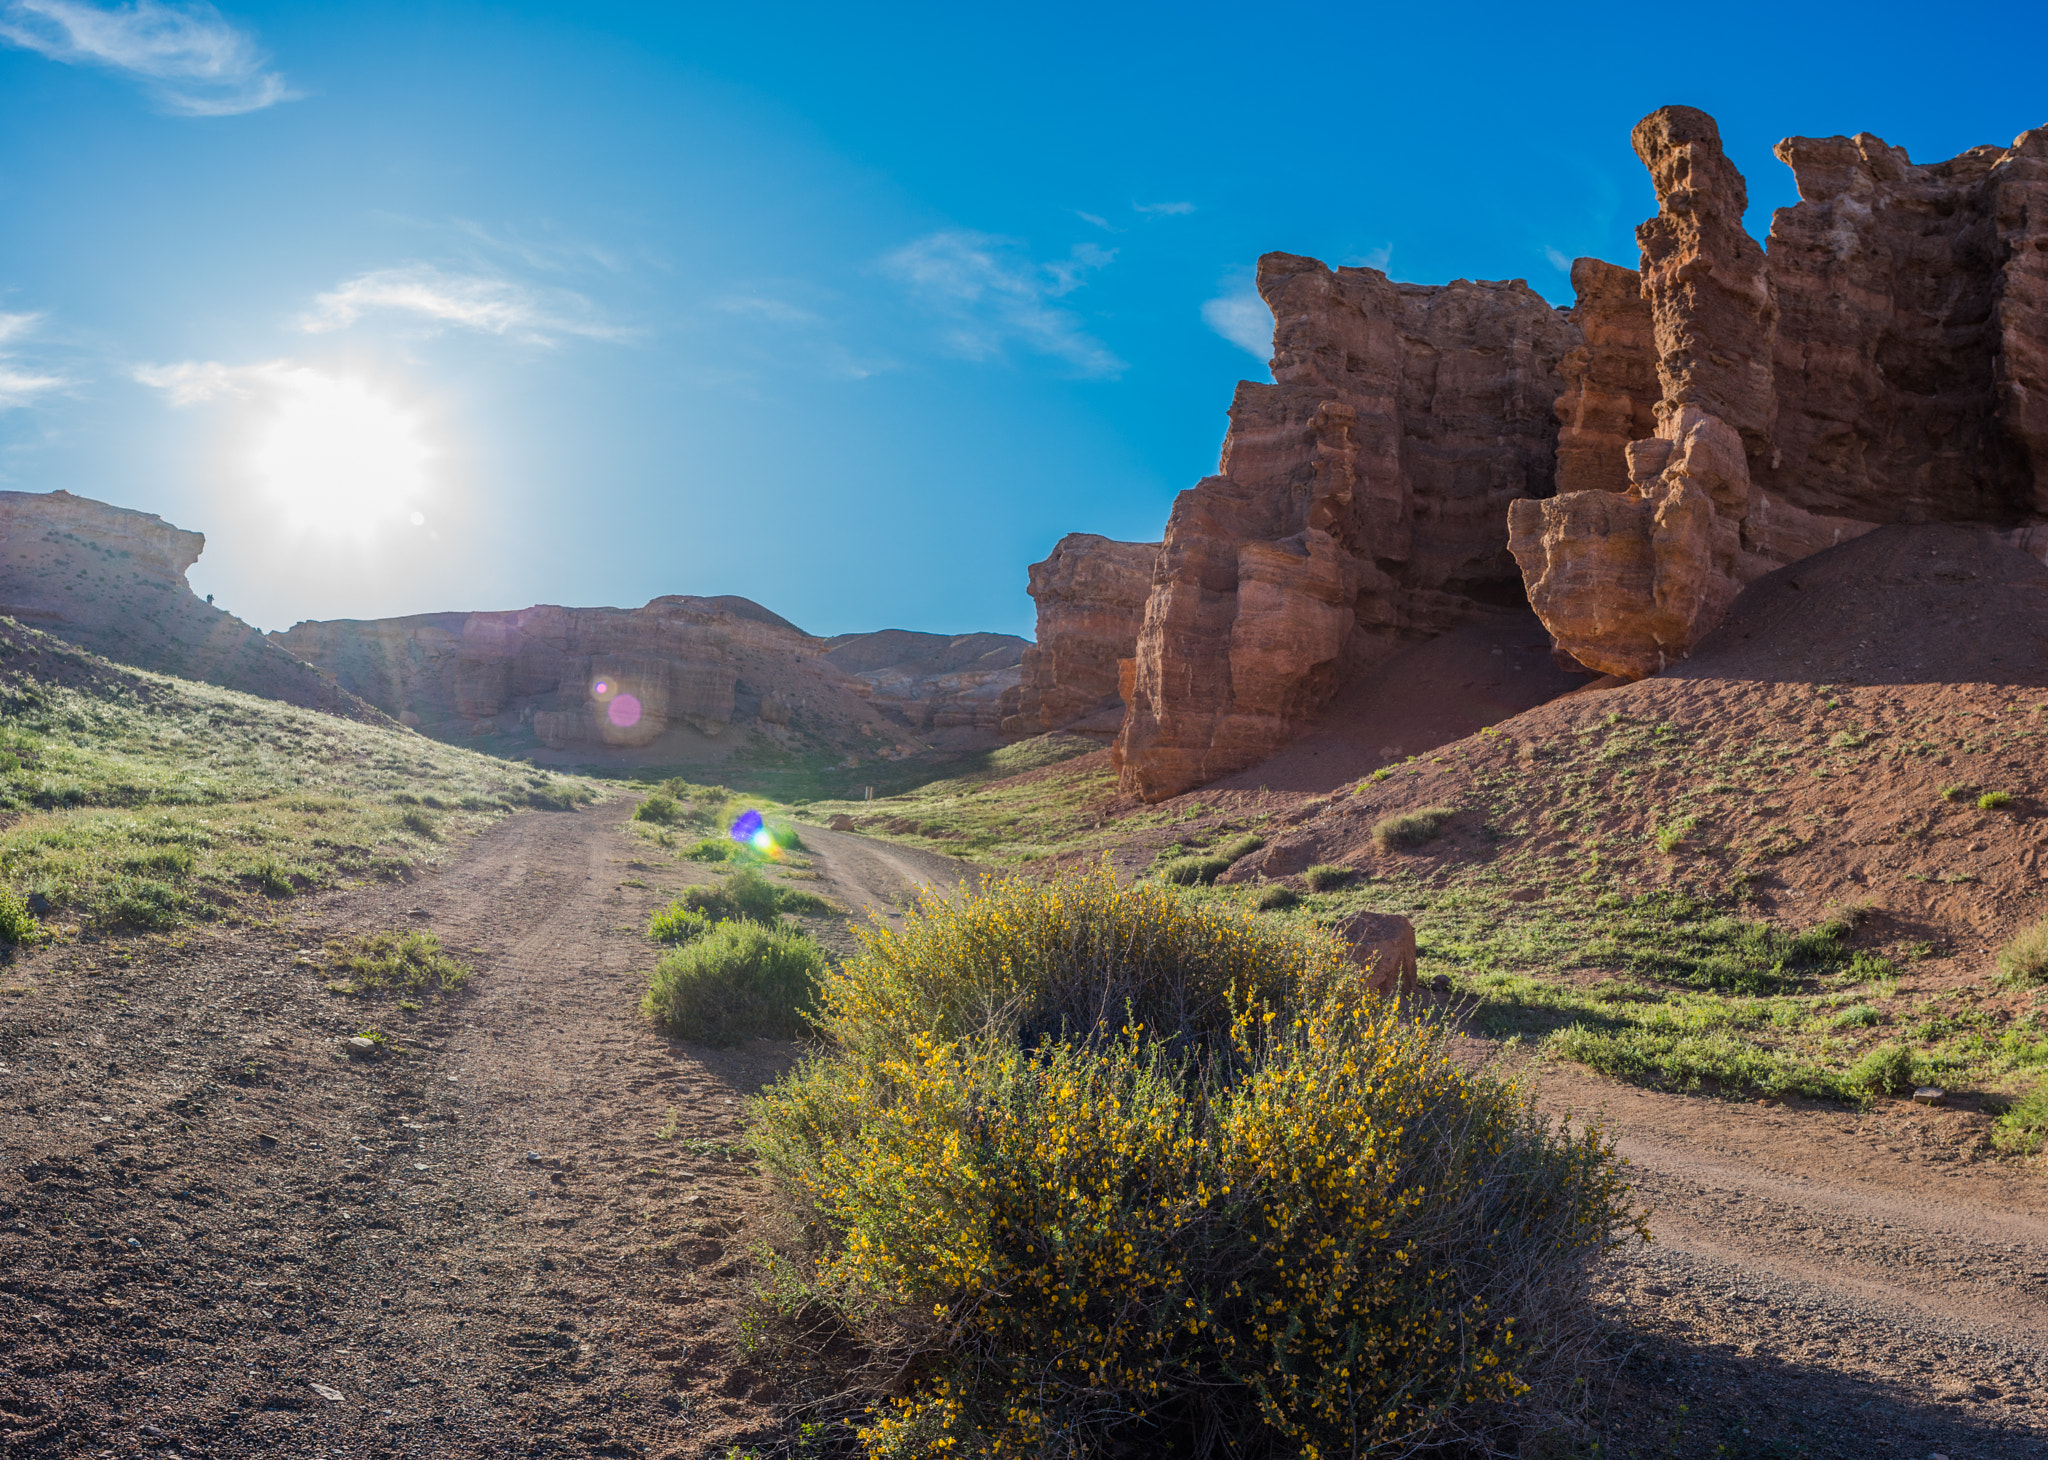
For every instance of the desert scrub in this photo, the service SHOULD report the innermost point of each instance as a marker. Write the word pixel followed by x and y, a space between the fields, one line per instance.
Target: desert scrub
pixel 745 894
pixel 1192 871
pixel 2023 1126
pixel 2024 960
pixel 1886 1070
pixel 658 810
pixel 400 961
pixel 1994 801
pixel 1275 897
pixel 1327 877
pixel 1109 1170
pixel 17 923
pixel 677 924
pixel 1407 829
pixel 738 980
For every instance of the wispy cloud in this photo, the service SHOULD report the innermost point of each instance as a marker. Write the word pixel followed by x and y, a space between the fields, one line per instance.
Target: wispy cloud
pixel 194 382
pixel 21 384
pixel 1169 210
pixel 1559 259
pixel 488 303
pixel 190 58
pixel 995 296
pixel 1380 258
pixel 1241 317
pixel 764 306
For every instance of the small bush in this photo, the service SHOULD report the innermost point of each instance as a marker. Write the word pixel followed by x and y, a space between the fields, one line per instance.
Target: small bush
pixel 744 894
pixel 738 980
pixel 677 924
pixel 786 837
pixel 1275 897
pixel 1410 828
pixel 420 824
pixel 713 849
pixel 1672 834
pixel 399 961
pixel 141 903
pixel 1327 877
pixel 1104 1171
pixel 2024 960
pixel 1886 1070
pixel 1191 871
pixel 1993 801
pixel 658 810
pixel 1856 1016
pixel 1237 849
pixel 1954 793
pixel 17 923
pixel 2023 1126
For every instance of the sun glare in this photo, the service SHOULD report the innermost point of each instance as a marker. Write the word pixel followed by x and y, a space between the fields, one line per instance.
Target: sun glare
pixel 339 457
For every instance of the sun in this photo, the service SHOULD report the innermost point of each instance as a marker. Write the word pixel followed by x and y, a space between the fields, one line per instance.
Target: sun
pixel 338 456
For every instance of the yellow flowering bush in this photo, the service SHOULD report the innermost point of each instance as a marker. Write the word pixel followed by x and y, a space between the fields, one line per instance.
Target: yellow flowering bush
pixel 1289 1225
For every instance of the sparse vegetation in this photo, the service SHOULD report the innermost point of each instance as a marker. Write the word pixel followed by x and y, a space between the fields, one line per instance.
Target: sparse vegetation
pixel 677 924
pixel 1276 896
pixel 2024 959
pixel 2022 1127
pixel 1994 801
pixel 743 894
pixel 399 961
pixel 1187 871
pixel 1210 1191
pixel 1406 829
pixel 739 980
pixel 140 800
pixel 17 923
pixel 658 810
pixel 1327 877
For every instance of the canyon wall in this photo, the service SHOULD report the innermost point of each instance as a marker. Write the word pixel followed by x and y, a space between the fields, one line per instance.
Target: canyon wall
pixel 112 580
pixel 678 680
pixel 1358 503
pixel 1091 594
pixel 1883 362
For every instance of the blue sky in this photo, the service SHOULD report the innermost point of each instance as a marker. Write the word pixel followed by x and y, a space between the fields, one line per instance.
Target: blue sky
pixel 852 310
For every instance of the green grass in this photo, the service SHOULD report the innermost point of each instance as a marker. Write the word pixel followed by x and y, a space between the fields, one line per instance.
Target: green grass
pixel 743 894
pixel 1994 801
pixel 395 962
pixel 141 800
pixel 1327 877
pixel 2023 1126
pixel 2024 960
pixel 1408 829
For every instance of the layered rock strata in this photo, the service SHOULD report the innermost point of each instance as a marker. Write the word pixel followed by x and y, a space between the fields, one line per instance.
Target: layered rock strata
pixel 1883 363
pixel 1091 594
pixel 112 580
pixel 1358 501
pixel 666 682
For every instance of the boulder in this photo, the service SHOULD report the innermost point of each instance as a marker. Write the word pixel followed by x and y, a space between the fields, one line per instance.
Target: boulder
pixel 1383 944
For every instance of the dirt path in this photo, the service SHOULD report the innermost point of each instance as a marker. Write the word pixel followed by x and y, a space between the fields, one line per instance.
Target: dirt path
pixel 525 1234
pixel 522 1234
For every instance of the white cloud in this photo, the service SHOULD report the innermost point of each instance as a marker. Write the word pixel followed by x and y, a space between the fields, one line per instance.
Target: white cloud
pixel 1241 317
pixel 776 311
pixel 1171 210
pixel 193 382
pixel 1099 222
pixel 482 302
pixel 193 61
pixel 995 296
pixel 1374 258
pixel 19 384
pixel 1559 259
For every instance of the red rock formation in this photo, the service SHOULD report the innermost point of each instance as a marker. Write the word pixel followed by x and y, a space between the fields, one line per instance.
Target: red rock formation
pixel 1359 501
pixel 680 680
pixel 113 581
pixel 1611 388
pixel 1091 595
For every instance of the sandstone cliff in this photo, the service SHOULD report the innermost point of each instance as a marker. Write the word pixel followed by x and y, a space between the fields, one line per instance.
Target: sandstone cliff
pixel 1091 595
pixel 113 581
pixel 1359 501
pixel 679 680
pixel 1883 363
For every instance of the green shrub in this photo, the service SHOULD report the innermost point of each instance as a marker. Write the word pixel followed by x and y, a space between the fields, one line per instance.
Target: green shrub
pixel 17 923
pixel 1239 848
pixel 1192 871
pixel 2023 1126
pixel 1275 897
pixel 143 903
pixel 1106 1171
pixel 738 980
pixel 1327 877
pixel 713 849
pixel 658 810
pixel 1954 793
pixel 171 861
pixel 2024 960
pixel 677 924
pixel 1993 801
pixel 1672 834
pixel 1856 1016
pixel 1410 828
pixel 420 824
pixel 746 894
pixel 1886 1070
pixel 786 837
pixel 399 961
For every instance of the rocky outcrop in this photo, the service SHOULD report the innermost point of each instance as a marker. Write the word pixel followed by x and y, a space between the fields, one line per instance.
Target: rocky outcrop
pixel 1611 388
pixel 1359 501
pixel 112 580
pixel 1091 595
pixel 933 682
pixel 680 680
pixel 1882 364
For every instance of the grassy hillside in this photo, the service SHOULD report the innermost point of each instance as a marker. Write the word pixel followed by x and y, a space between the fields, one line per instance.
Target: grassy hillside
pixel 135 799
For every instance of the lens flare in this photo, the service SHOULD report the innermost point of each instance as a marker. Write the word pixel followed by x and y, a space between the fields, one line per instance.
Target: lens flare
pixel 751 831
pixel 623 711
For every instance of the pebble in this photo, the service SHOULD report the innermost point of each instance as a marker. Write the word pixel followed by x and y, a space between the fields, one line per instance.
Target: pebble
pixel 1929 1095
pixel 328 1392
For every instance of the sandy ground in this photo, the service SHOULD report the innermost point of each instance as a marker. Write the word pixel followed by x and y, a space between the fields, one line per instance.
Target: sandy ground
pixel 528 1232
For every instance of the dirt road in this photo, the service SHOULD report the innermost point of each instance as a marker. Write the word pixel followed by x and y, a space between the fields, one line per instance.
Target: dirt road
pixel 526 1233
